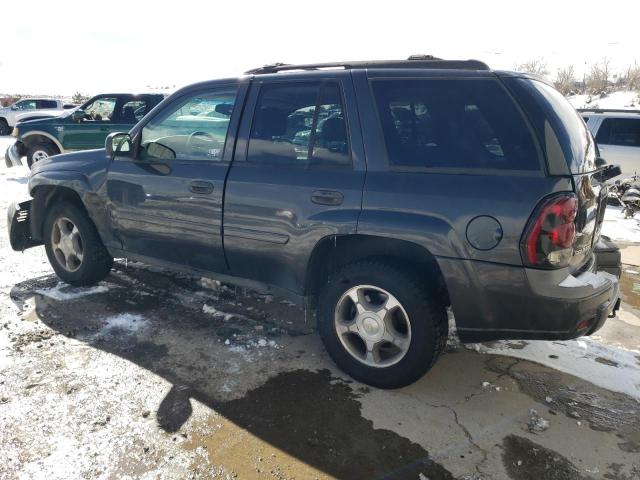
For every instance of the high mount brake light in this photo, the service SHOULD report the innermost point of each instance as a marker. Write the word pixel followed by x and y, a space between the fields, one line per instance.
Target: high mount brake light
pixel 551 232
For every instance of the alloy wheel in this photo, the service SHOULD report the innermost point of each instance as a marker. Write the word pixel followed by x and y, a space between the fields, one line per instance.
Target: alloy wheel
pixel 66 243
pixel 373 326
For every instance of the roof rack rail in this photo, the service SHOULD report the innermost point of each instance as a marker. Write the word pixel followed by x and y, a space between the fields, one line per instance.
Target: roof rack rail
pixel 414 61
pixel 608 110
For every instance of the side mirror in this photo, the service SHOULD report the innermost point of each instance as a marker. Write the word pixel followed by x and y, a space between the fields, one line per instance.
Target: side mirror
pixel 600 162
pixel 118 142
pixel 77 115
pixel 161 152
pixel 224 108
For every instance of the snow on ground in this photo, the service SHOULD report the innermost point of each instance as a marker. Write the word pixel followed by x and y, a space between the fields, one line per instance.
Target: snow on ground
pixel 607 366
pixel 624 99
pixel 617 227
pixel 62 291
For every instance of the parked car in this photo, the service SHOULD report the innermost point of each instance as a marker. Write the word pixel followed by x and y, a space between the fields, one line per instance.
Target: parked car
pixel 83 128
pixel 29 109
pixel 415 185
pixel 617 133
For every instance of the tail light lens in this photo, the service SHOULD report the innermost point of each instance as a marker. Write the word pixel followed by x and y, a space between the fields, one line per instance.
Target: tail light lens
pixel 551 233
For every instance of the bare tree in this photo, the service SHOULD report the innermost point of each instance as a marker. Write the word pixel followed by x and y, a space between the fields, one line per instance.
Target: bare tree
pixel 565 80
pixel 630 79
pixel 536 66
pixel 598 79
pixel 78 98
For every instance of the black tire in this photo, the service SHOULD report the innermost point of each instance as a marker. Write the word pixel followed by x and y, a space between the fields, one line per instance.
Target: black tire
pixel 96 262
pixel 47 148
pixel 428 319
pixel 4 127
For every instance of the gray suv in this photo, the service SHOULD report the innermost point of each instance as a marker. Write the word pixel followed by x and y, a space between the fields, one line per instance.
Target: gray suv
pixel 379 193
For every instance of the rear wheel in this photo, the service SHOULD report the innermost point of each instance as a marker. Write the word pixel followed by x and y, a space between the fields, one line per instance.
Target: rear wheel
pixel 380 325
pixel 40 151
pixel 73 246
pixel 4 127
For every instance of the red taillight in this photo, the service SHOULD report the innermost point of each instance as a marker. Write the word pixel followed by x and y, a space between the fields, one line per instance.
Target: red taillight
pixel 552 232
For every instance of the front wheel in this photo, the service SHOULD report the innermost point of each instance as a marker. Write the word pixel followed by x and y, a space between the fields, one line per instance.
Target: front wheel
pixel 73 246
pixel 380 324
pixel 40 151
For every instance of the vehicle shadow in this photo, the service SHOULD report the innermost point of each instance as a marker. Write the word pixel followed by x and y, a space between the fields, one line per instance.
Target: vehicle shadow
pixel 309 414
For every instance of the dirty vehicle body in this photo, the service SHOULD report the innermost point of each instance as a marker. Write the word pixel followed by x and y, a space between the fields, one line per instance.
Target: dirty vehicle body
pixel 378 192
pixel 83 128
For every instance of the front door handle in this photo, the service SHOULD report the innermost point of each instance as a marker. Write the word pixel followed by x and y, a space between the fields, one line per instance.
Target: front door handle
pixel 327 197
pixel 201 187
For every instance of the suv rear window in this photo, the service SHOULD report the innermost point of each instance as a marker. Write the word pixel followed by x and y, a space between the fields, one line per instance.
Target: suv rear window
pixel 453 124
pixel 619 131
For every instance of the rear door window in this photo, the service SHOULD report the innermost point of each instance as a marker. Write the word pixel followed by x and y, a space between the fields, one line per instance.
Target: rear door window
pixel 299 124
pixel 47 104
pixel 624 132
pixel 132 111
pixel 453 124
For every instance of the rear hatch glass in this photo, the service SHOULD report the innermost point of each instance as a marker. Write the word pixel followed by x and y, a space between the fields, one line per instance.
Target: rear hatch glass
pixel 549 110
pixel 547 107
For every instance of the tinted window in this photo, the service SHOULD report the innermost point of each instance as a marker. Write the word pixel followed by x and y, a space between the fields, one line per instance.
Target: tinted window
pixel 453 124
pixel 100 110
pixel 132 111
pixel 619 131
pixel 47 104
pixel 194 129
pixel 299 125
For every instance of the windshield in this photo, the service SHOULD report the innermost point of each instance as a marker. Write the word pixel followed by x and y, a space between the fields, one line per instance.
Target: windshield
pixel 578 145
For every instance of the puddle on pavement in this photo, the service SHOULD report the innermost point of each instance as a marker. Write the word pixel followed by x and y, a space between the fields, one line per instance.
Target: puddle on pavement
pixel 526 460
pixel 306 424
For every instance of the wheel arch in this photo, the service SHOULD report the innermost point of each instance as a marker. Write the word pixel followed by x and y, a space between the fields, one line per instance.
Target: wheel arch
pixel 44 196
pixel 30 139
pixel 334 251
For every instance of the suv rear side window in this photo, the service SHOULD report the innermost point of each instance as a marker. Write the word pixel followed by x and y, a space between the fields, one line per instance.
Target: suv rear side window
pixel 619 131
pixel 299 124
pixel 453 124
pixel 47 104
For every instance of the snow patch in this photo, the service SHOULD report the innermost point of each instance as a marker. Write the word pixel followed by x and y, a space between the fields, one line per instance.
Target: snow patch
pixel 623 99
pixel 579 358
pixel 130 322
pixel 208 309
pixel 62 292
pixel 617 227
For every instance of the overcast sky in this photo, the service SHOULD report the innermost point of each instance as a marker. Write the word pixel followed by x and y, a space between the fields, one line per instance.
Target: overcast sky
pixel 60 47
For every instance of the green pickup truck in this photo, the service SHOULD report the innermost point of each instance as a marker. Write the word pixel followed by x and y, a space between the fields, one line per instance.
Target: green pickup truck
pixel 81 129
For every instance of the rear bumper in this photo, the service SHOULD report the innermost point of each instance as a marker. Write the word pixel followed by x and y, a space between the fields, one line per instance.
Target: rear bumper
pixel 492 302
pixel 19 226
pixel 13 155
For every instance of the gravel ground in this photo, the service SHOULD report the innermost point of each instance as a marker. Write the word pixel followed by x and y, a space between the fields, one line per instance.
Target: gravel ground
pixel 155 375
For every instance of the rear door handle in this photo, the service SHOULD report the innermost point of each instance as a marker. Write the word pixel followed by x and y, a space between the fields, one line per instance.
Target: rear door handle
pixel 201 187
pixel 327 197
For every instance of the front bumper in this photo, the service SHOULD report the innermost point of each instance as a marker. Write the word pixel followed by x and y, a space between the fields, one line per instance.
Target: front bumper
pixel 13 155
pixel 492 302
pixel 19 226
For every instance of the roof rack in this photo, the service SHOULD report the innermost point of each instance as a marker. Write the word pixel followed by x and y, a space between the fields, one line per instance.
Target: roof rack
pixel 414 61
pixel 608 110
